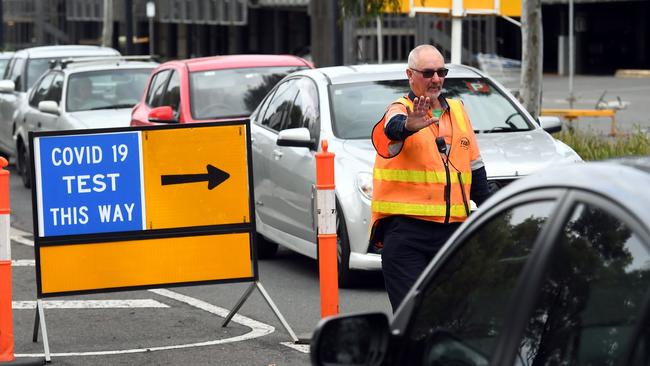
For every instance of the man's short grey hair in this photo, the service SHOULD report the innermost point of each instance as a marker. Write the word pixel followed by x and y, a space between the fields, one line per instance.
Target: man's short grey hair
pixel 413 55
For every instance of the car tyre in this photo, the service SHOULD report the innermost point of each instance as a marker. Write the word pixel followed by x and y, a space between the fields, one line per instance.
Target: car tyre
pixel 265 249
pixel 24 168
pixel 346 275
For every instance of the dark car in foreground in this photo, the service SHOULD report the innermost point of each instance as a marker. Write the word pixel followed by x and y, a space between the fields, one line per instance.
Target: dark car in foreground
pixel 552 270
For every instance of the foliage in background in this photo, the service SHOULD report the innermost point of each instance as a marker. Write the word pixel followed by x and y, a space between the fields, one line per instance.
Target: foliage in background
pixel 591 146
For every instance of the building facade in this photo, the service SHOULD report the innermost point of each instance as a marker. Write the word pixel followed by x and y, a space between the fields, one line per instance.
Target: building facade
pixel 609 34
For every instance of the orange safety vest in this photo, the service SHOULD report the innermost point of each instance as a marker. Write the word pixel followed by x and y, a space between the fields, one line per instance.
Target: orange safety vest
pixel 410 177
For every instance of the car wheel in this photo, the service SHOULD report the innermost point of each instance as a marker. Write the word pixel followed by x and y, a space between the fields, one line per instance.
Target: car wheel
pixel 265 249
pixel 346 276
pixel 23 166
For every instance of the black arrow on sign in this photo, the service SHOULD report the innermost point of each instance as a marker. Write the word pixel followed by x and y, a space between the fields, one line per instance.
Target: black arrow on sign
pixel 214 177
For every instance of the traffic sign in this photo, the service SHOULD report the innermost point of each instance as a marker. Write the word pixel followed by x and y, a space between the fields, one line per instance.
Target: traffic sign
pixel 138 208
pixel 93 183
pixel 196 177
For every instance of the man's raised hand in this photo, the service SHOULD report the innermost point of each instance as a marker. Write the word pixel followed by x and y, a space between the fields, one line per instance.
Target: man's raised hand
pixel 417 118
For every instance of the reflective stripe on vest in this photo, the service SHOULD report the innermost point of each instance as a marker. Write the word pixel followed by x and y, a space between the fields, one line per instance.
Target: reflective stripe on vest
pixel 418 176
pixel 416 209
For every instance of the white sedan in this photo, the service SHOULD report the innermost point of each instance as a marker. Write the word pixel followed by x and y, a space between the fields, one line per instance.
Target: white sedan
pixel 342 104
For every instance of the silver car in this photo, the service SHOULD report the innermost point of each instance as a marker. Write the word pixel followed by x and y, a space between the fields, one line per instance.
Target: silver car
pixel 80 94
pixel 23 69
pixel 341 105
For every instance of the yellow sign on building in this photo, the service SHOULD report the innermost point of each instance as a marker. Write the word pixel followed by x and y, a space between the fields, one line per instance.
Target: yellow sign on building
pixel 511 8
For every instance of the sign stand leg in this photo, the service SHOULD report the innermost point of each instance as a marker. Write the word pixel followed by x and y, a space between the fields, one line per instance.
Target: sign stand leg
pixel 267 298
pixel 39 319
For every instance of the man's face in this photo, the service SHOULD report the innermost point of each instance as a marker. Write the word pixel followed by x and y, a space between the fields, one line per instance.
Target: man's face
pixel 420 85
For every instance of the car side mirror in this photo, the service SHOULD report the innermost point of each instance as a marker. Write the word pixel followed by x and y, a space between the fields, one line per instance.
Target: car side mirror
pixel 164 114
pixel 351 340
pixel 296 137
pixel 7 86
pixel 48 106
pixel 550 124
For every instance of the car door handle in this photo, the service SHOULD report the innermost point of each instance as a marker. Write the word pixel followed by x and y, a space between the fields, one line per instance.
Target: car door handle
pixel 277 154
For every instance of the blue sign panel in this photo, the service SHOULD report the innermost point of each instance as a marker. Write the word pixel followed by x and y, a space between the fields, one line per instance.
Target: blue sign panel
pixel 86 183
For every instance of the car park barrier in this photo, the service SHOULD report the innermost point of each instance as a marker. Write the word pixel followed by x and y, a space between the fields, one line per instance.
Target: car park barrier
pixel 572 114
pixel 327 251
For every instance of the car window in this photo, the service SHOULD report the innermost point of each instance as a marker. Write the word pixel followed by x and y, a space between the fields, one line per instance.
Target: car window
pixel 35 68
pixel 55 91
pixel 41 90
pixel 304 111
pixel 592 295
pixel 172 96
pixel 280 105
pixel 461 310
pixel 359 106
pixel 157 88
pixel 3 65
pixel 17 72
pixel 105 89
pixel 259 112
pixel 232 92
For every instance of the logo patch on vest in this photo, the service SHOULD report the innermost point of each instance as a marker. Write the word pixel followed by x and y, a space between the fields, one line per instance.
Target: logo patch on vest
pixel 464 143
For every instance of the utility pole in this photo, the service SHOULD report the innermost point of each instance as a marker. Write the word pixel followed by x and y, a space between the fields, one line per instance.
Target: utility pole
pixel 107 32
pixel 128 19
pixel 151 13
pixel 532 56
pixel 325 34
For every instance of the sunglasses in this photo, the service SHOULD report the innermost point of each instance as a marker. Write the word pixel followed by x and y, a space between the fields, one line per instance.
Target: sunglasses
pixel 428 73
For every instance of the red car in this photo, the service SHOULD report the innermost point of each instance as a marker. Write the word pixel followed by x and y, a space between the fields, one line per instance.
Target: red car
pixel 212 89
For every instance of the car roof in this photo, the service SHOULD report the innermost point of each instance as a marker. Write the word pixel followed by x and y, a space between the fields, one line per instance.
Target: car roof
pixel 108 65
pixel 361 73
pixel 66 51
pixel 624 180
pixel 240 61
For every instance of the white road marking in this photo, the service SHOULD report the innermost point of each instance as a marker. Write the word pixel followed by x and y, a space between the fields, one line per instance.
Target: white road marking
pixel 23 263
pixel 19 237
pixel 90 304
pixel 258 329
pixel 304 348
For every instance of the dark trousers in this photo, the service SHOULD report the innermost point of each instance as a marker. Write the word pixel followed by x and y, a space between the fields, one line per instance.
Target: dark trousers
pixel 409 246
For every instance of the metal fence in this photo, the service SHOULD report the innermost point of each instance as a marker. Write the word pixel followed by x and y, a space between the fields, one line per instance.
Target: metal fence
pixel 400 33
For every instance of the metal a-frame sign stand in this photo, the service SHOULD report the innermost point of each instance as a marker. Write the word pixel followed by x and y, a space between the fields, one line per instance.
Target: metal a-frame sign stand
pixel 163 217
pixel 265 295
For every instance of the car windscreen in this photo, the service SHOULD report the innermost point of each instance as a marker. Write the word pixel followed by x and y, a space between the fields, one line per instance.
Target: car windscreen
pixel 105 89
pixel 357 107
pixel 232 92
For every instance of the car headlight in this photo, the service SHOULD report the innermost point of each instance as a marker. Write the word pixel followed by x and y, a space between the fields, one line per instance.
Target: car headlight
pixel 364 184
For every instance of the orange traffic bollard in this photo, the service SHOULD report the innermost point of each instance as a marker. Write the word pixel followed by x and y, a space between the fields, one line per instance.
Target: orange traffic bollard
pixel 6 319
pixel 326 207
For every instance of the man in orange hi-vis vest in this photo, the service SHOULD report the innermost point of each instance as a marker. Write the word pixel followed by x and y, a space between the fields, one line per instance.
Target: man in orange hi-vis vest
pixel 428 167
